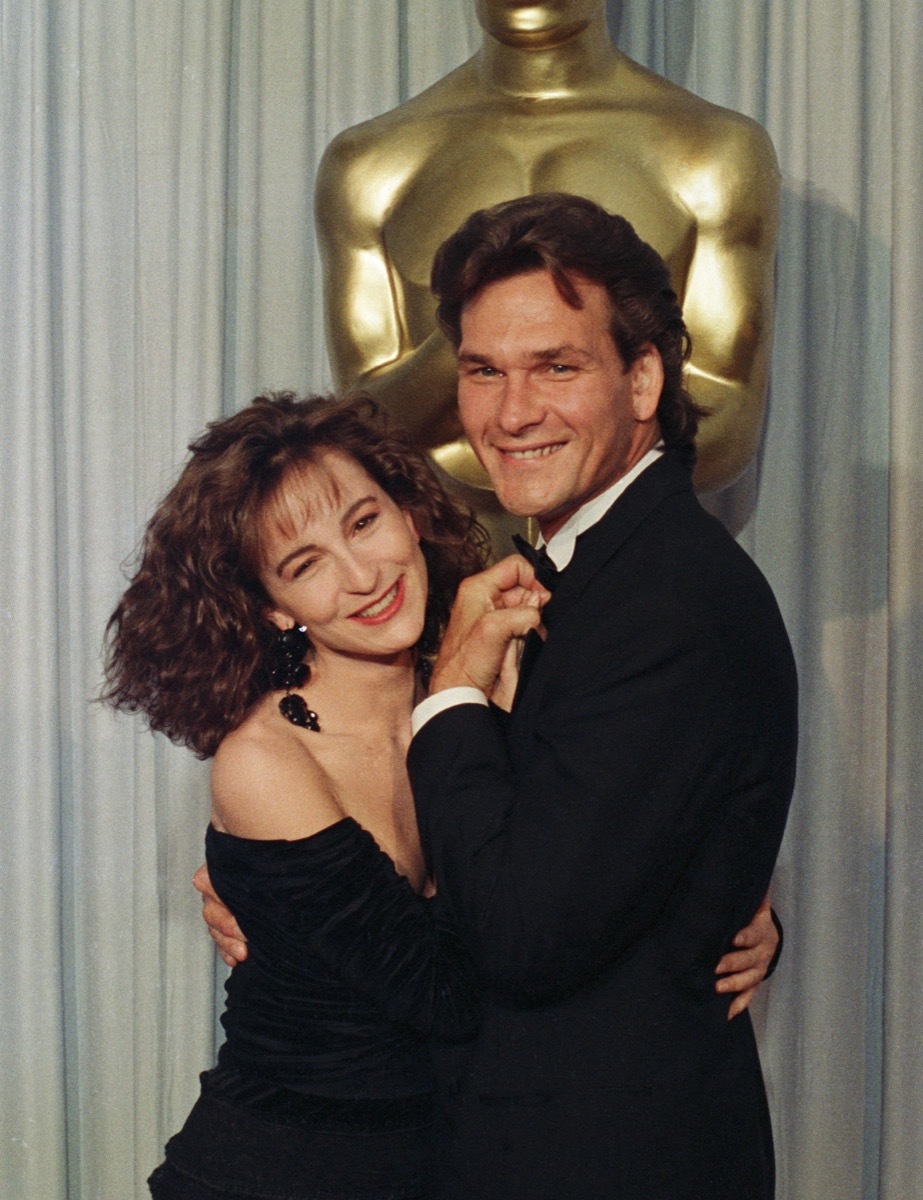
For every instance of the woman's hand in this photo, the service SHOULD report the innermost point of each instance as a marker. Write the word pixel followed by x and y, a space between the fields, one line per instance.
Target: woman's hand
pixel 492 612
pixel 504 689
pixel 743 969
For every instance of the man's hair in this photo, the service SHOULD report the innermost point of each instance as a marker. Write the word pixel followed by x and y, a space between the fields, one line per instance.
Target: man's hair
pixel 566 236
pixel 190 643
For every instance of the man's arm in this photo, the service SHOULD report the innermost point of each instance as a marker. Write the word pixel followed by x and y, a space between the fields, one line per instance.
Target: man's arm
pixel 741 971
pixel 559 851
pixel 222 924
pixel 470 646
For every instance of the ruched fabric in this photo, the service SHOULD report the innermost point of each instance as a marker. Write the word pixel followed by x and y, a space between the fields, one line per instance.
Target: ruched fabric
pixel 348 969
pixel 324 1085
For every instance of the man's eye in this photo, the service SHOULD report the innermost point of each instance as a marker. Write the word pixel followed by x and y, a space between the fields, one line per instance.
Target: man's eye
pixel 560 368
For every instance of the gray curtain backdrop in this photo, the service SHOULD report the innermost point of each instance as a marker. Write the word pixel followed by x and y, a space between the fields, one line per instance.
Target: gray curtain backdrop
pixel 158 268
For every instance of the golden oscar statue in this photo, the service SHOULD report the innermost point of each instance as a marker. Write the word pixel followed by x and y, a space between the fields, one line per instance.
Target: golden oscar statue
pixel 549 104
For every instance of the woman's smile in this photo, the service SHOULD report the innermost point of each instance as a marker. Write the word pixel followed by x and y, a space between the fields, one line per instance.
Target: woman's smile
pixel 384 608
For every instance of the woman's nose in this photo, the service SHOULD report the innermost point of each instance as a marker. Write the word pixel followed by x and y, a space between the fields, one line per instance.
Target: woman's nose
pixel 360 573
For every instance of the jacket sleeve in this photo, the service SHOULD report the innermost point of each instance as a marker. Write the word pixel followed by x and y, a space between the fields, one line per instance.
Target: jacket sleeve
pixel 652 773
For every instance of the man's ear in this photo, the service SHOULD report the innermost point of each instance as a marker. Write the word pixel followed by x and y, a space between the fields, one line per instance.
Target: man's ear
pixel 647 383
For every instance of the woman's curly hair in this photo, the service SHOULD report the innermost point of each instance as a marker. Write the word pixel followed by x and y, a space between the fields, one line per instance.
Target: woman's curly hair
pixel 189 644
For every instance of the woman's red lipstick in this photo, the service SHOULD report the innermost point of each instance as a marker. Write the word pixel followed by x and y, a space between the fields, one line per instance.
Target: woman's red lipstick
pixel 390 610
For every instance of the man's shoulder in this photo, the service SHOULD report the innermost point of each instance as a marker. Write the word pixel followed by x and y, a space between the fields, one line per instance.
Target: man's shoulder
pixel 668 479
pixel 657 536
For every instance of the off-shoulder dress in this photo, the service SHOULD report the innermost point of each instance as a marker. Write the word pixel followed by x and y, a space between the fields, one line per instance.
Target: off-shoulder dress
pixel 323 1087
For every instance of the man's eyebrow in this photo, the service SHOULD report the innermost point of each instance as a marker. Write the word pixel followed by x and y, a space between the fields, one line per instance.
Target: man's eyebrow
pixel 559 353
pixel 552 354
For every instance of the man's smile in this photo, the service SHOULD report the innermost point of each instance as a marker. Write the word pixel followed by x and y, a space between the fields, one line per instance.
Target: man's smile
pixel 533 452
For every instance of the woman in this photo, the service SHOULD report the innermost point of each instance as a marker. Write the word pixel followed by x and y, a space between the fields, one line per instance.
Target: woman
pixel 290 587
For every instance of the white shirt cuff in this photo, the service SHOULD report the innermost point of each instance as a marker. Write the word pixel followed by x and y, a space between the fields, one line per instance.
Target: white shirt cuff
pixel 439 701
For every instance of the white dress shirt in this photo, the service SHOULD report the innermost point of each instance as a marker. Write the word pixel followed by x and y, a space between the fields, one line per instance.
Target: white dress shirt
pixel 560 548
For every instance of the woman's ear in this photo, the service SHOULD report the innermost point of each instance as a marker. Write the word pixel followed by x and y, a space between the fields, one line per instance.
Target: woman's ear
pixel 411 524
pixel 281 620
pixel 647 383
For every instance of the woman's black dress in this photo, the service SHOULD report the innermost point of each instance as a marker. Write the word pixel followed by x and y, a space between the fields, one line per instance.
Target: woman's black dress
pixel 323 1088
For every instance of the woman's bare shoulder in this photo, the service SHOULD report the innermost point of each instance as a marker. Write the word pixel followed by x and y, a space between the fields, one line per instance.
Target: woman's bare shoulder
pixel 267 784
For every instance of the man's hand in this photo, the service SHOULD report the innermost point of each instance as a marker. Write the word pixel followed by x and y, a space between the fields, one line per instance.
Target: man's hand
pixel 226 933
pixel 491 609
pixel 744 969
pixel 504 690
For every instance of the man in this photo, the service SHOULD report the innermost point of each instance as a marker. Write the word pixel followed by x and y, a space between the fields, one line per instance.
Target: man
pixel 599 847
pixel 549 103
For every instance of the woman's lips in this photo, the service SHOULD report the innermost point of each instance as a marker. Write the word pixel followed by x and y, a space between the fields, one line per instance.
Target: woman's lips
pixel 384 608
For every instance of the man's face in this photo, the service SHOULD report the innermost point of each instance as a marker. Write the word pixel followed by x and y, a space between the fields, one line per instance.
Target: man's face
pixel 545 398
pixel 516 23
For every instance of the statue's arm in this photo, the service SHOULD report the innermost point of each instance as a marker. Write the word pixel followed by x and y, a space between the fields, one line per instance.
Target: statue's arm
pixel 728 300
pixel 366 319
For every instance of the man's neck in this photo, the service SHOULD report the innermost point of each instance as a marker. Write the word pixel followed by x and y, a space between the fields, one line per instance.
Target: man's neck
pixel 553 70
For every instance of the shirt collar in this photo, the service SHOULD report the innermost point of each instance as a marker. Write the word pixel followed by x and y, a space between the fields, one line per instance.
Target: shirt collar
pixel 561 545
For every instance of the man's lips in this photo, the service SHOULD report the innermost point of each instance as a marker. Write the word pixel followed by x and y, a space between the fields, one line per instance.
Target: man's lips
pixel 529 453
pixel 382 609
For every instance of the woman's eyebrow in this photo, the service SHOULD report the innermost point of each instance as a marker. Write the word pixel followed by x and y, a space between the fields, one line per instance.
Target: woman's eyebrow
pixel 345 518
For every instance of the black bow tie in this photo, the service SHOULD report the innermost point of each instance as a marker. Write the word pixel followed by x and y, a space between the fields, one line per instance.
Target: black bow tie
pixel 545 570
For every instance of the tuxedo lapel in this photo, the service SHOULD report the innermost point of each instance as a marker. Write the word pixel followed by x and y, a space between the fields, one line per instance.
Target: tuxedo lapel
pixel 598 544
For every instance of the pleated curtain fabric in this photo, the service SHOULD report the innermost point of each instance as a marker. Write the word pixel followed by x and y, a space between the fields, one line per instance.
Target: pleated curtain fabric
pixel 158 269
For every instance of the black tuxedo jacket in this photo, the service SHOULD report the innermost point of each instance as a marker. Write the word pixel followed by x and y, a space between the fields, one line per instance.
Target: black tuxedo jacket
pixel 598 851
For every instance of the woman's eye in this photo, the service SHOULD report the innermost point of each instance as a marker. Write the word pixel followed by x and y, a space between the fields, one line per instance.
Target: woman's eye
pixel 365 522
pixel 303 566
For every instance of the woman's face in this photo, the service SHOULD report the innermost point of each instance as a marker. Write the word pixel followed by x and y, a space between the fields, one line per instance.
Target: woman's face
pixel 343 560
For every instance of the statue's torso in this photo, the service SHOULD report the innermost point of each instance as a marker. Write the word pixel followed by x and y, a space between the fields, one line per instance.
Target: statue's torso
pixel 480 163
pixel 637 145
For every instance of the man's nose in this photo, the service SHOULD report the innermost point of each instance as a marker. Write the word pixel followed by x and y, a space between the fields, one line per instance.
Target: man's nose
pixel 519 405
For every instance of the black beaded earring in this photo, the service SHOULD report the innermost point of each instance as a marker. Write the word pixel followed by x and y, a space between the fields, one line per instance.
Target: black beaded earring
pixel 291 671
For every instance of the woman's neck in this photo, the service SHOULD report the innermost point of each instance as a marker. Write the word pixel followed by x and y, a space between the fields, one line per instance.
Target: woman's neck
pixel 362 694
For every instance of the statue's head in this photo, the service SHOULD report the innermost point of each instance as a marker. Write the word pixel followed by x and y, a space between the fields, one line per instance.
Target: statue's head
pixel 538 24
